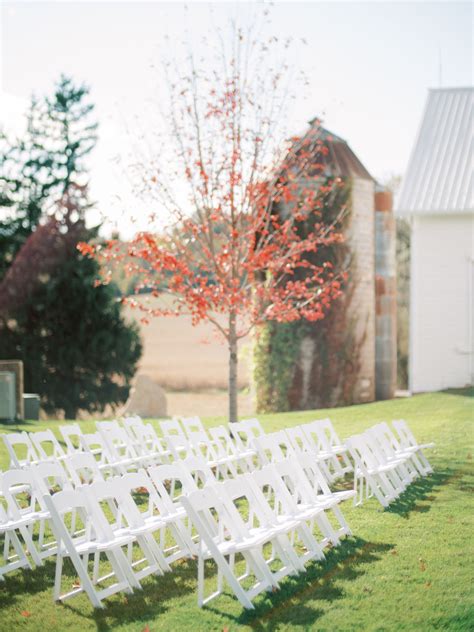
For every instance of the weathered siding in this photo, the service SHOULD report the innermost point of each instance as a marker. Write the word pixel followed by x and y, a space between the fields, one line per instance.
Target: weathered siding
pixel 441 302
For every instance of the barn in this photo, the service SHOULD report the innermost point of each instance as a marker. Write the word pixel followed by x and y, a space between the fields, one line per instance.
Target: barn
pixel 436 197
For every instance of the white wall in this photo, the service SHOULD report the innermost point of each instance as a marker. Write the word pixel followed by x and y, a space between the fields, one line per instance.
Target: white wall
pixel 442 289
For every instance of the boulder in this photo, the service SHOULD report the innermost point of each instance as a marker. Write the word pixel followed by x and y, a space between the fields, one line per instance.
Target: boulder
pixel 146 398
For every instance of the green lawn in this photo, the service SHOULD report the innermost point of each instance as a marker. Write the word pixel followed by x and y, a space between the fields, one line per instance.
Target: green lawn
pixel 406 568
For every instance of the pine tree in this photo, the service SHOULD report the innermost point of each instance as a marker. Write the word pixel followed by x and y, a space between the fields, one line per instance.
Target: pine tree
pixel 78 351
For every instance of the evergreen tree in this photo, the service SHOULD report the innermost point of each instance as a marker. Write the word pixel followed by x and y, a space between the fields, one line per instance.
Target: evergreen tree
pixel 78 351
pixel 38 169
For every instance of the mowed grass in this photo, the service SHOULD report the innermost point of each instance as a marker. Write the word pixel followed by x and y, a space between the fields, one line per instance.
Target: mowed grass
pixel 406 568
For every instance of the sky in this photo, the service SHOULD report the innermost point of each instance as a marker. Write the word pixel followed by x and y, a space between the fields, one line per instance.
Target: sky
pixel 369 66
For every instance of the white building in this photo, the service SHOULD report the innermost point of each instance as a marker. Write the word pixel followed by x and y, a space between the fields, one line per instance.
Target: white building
pixel 437 197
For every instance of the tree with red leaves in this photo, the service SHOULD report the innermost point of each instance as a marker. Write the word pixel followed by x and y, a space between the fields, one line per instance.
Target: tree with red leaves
pixel 241 206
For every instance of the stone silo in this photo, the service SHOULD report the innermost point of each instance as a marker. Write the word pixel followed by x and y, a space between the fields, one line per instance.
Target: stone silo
pixel 350 356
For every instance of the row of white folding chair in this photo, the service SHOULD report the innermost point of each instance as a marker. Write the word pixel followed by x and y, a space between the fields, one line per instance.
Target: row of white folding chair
pixel 44 446
pixel 384 465
pixel 397 446
pixel 185 427
pixel 318 437
pixel 282 506
pixel 161 513
pixel 218 450
pixel 323 436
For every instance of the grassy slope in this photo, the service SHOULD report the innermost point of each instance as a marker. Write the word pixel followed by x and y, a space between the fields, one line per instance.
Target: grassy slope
pixel 408 568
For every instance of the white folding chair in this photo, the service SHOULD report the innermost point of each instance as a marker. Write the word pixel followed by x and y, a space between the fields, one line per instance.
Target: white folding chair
pixel 325 437
pixel 273 500
pixel 174 542
pixel 95 444
pixel 172 427
pixel 226 445
pixel 121 448
pixel 96 538
pixel 409 443
pixel 47 446
pixel 304 442
pixel 320 493
pixel 206 448
pixel 179 446
pixel 24 500
pixel 274 446
pixel 382 444
pixel 245 431
pixel 172 481
pixel 223 535
pixel 26 454
pixel 71 434
pixel 192 424
pixel 149 444
pixel 306 503
pixel 83 468
pixel 380 480
pixel 126 520
pixel 392 446
pixel 13 553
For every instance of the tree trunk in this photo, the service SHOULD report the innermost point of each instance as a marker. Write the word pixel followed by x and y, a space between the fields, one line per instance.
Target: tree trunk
pixel 232 368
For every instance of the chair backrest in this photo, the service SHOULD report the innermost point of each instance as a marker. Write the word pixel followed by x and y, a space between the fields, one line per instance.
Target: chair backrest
pixel 274 446
pixel 245 508
pixel 142 492
pixel 407 438
pixel 383 435
pixel 172 481
pixel 131 424
pixel 95 444
pixel 172 427
pixel 199 470
pixel 246 430
pixel 192 424
pixel 311 473
pixel 105 426
pixel 82 468
pixel 361 453
pixel 50 477
pixel 68 432
pixel 202 445
pixel 21 492
pixel 71 507
pixel 20 441
pixel 223 442
pixel 210 515
pixel 300 441
pixel 179 446
pixel 324 434
pixel 118 442
pixel 272 488
pixel 47 445
pixel 147 441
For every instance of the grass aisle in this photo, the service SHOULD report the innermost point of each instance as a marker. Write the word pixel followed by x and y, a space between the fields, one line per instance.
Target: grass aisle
pixel 407 568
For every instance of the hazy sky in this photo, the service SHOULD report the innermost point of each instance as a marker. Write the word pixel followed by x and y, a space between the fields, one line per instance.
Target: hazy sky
pixel 369 65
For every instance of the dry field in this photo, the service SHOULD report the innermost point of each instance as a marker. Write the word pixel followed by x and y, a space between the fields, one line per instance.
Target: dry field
pixel 190 363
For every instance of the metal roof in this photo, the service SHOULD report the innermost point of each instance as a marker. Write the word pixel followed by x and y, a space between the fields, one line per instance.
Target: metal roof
pixel 340 160
pixel 439 177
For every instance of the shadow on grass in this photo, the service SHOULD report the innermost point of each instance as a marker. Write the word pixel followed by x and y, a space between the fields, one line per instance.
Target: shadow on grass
pixel 421 490
pixel 144 604
pixel 26 581
pixel 298 600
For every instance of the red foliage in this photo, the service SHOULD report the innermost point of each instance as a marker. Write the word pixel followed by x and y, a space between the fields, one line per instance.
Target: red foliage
pixel 42 253
pixel 238 242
